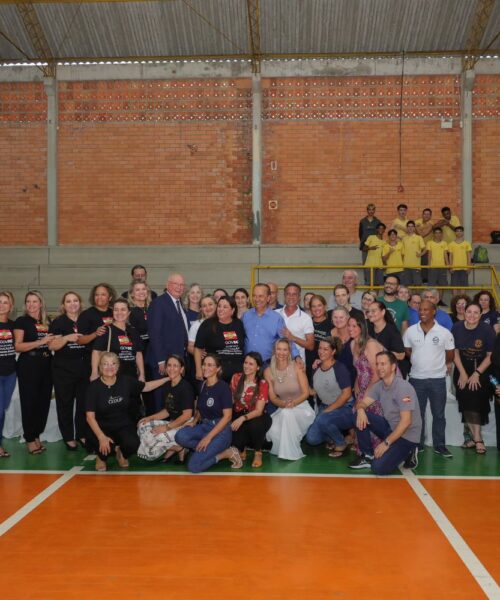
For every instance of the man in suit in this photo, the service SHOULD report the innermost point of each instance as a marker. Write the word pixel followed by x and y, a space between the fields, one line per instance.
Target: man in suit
pixel 167 328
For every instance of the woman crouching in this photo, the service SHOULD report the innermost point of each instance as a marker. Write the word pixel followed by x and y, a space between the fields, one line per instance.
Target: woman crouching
pixel 209 434
pixel 156 433
pixel 108 412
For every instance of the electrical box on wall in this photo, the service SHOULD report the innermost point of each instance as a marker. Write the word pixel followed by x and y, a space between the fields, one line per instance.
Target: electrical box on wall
pixel 273 205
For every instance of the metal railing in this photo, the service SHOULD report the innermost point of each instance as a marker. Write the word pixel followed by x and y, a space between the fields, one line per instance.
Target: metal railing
pixel 493 286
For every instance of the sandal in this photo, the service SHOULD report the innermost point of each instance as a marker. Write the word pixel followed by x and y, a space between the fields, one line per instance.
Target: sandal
pixel 243 455
pixel 100 465
pixel 468 445
pixel 4 453
pixel 257 459
pixel 235 458
pixel 122 461
pixel 169 454
pixel 480 450
pixel 338 452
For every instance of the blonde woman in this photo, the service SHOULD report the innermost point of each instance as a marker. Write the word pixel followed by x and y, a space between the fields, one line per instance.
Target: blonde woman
pixel 7 360
pixel 31 333
pixel 70 370
pixel 288 390
pixel 193 302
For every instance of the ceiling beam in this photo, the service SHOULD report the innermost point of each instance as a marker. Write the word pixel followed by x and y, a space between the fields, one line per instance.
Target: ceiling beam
pixel 37 37
pixel 480 20
pixel 253 9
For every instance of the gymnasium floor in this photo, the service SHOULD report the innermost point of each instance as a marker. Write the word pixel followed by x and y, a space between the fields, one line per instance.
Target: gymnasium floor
pixel 311 529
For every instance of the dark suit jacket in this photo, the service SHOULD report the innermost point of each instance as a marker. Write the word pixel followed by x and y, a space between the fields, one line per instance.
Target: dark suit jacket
pixel 167 333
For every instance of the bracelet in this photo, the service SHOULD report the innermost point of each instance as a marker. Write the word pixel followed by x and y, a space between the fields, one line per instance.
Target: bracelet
pixel 478 372
pixel 387 443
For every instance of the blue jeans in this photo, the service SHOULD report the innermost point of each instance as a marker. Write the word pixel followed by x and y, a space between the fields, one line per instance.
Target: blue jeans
pixel 188 437
pixel 7 386
pixel 395 454
pixel 327 426
pixel 435 391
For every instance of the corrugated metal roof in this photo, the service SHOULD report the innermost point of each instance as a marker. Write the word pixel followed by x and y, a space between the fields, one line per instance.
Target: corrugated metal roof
pixel 220 27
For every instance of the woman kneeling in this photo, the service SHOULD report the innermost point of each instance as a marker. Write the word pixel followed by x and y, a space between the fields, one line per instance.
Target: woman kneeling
pixel 156 434
pixel 108 407
pixel 209 434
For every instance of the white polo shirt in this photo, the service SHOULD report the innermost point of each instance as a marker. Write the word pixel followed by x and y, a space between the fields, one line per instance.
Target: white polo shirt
pixel 428 351
pixel 300 323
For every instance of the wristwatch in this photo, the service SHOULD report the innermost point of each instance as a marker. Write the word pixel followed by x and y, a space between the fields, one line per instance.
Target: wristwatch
pixel 387 443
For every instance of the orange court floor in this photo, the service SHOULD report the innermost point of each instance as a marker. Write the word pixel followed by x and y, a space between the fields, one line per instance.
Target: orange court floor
pixel 279 534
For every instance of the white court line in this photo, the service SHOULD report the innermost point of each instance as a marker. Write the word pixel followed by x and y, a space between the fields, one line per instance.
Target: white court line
pixel 470 560
pixel 239 474
pixel 37 500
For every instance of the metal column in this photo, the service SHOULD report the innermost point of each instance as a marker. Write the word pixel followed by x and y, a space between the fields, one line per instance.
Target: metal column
pixel 466 99
pixel 50 84
pixel 256 158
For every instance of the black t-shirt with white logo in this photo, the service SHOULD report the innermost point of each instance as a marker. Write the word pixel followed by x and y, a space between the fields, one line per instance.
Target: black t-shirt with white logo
pixel 110 403
pixel 7 350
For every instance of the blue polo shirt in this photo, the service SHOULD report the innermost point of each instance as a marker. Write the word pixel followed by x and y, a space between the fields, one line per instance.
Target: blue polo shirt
pixel 442 318
pixel 262 332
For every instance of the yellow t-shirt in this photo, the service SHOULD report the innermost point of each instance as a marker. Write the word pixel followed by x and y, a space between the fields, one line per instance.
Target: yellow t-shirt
pixel 401 223
pixel 458 255
pixel 374 257
pixel 394 262
pixel 437 250
pixel 419 223
pixel 411 245
pixel 449 234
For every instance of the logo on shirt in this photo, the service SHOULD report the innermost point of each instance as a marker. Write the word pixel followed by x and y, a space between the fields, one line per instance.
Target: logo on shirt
pixel 115 399
pixel 124 340
pixel 478 343
pixel 41 328
pixel 230 336
pixel 107 320
pixel 435 340
pixel 5 334
pixel 210 402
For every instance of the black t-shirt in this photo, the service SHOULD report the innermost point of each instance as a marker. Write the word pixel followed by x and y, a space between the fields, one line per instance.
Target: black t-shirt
pixel 33 331
pixel 93 318
pixel 178 398
pixel 391 339
pixel 227 341
pixel 7 350
pixel 321 331
pixel 473 344
pixel 63 325
pixel 139 321
pixel 125 344
pixel 110 403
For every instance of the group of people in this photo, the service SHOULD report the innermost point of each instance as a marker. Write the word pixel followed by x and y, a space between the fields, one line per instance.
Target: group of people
pixel 437 245
pixel 201 378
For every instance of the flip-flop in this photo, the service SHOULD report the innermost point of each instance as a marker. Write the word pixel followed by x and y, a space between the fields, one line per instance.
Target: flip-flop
pixel 468 445
pixel 480 450
pixel 36 451
pixel 338 453
pixel 4 454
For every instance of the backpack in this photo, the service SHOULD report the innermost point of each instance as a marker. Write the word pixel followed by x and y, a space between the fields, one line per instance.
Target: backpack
pixel 495 237
pixel 480 255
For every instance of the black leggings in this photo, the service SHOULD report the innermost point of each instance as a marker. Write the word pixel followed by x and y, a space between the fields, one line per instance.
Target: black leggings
pixel 252 433
pixel 35 390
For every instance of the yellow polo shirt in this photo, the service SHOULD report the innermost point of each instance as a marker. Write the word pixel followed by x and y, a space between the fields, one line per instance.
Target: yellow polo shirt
pixel 411 245
pixel 458 255
pixel 419 223
pixel 401 223
pixel 437 250
pixel 449 234
pixel 374 257
pixel 394 262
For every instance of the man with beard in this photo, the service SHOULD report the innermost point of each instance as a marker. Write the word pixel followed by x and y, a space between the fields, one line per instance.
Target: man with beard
pixel 397 308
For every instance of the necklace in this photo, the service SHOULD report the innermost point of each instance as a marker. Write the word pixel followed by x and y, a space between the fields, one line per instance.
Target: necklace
pixel 281 378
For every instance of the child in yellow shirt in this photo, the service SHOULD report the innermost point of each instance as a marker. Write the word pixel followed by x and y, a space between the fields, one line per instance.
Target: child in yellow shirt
pixel 392 254
pixel 437 250
pixel 459 260
pixel 413 249
pixel 373 247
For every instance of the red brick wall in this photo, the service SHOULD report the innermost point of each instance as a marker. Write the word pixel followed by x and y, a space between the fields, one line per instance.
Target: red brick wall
pixel 23 158
pixel 169 162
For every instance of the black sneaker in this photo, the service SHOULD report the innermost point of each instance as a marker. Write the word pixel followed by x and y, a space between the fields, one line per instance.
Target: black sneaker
pixel 443 451
pixel 361 462
pixel 411 461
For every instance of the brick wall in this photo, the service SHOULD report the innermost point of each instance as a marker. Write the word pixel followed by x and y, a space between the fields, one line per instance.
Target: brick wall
pixel 23 173
pixel 169 162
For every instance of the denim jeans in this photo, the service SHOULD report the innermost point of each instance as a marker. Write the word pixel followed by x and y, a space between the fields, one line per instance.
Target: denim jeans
pixel 327 426
pixel 395 454
pixel 188 437
pixel 433 390
pixel 7 387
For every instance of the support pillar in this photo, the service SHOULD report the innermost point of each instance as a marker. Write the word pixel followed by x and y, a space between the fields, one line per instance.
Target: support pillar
pixel 50 84
pixel 256 159
pixel 467 85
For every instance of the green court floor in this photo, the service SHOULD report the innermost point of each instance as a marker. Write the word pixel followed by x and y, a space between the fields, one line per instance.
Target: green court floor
pixel 465 463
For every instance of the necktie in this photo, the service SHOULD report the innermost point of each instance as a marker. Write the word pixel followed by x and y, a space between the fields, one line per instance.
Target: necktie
pixel 179 310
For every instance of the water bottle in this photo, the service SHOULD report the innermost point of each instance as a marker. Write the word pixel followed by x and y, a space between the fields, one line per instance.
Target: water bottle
pixel 493 380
